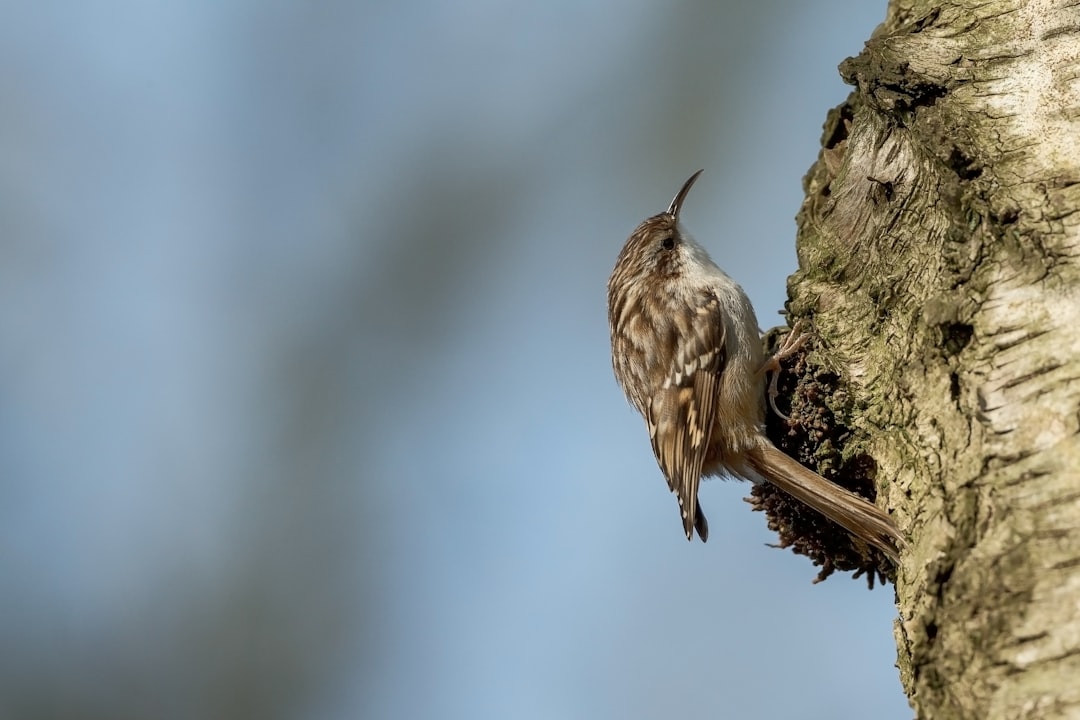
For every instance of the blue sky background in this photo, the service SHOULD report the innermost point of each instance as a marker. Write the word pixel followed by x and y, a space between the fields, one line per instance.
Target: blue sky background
pixel 306 408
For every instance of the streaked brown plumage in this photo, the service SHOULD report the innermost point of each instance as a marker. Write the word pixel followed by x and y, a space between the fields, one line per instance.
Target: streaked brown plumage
pixel 686 349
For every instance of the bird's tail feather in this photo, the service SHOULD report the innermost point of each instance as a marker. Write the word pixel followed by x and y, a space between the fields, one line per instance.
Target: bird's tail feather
pixel 858 516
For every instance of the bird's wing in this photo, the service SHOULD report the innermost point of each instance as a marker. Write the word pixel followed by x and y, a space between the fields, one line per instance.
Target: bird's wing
pixel 681 414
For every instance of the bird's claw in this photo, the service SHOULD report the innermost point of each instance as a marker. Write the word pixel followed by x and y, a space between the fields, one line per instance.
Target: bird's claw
pixel 791 344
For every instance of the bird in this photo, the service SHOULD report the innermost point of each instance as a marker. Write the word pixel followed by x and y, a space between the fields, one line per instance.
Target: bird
pixel 687 352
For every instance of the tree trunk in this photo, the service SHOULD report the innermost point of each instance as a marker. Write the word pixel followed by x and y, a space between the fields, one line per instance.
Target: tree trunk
pixel 939 249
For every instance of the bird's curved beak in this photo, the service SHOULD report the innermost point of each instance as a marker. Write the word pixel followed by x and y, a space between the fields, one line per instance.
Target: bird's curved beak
pixel 676 203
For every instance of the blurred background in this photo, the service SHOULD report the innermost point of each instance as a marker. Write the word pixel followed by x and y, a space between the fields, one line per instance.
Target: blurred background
pixel 306 408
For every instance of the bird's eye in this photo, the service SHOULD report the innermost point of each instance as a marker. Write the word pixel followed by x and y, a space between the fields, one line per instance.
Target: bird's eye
pixel 668 243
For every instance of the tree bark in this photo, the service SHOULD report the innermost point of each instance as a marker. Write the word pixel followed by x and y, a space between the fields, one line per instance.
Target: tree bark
pixel 939 251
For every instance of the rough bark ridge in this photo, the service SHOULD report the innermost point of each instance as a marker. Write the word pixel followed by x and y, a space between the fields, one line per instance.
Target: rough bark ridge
pixel 940 261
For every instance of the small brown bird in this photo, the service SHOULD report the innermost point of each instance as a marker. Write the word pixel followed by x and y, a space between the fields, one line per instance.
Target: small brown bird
pixel 686 349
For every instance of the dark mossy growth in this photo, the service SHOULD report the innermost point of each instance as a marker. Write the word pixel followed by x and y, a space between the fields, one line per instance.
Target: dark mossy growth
pixel 815 437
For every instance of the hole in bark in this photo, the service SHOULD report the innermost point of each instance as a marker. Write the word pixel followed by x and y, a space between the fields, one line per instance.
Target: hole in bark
pixel 1009 216
pixel 926 21
pixel 837 126
pixel 963 165
pixel 956 337
pixel 885 189
pixel 954 387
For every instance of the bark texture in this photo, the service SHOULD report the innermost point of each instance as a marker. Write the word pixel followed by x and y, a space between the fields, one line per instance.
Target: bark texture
pixel 940 262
